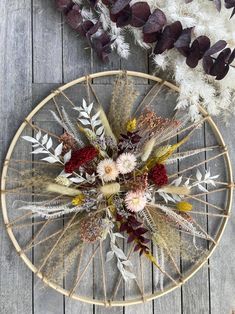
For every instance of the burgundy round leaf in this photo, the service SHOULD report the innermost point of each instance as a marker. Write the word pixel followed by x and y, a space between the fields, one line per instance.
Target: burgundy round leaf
pixel 229 4
pixel 226 54
pixel 64 5
pixel 85 27
pixel 105 39
pixel 168 37
pixel 183 42
pixel 93 2
pixel 107 2
pixel 100 50
pixel 119 5
pixel 218 46
pixel 194 55
pixel 199 46
pixel 74 18
pixel 140 14
pixel 123 18
pixel 155 22
pixel 151 38
pixel 93 29
pixel 232 57
pixel 114 17
pixel 223 73
pixel 219 64
pixel 203 44
pixel 207 63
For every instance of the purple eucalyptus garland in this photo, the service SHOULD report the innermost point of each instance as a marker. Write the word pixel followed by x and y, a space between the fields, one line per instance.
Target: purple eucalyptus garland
pixel 216 58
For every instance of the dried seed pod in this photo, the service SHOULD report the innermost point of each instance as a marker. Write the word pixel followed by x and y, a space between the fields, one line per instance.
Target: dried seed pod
pixel 68 141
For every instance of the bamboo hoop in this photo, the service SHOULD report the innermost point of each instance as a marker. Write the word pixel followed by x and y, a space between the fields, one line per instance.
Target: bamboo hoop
pixel 112 302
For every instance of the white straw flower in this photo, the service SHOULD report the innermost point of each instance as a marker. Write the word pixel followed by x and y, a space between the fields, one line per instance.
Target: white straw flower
pixel 107 170
pixel 135 201
pixel 126 163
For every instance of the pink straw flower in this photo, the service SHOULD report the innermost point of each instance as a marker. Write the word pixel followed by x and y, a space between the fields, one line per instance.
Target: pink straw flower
pixel 135 201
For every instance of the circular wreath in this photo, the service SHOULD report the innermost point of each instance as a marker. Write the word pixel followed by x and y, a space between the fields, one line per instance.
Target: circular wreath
pixel 112 185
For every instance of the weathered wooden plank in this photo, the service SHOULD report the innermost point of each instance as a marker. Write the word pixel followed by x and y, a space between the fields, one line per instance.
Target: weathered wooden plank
pixel 76 55
pixel 15 102
pixel 195 292
pixel 47 42
pixel 46 300
pixel 99 66
pixel 222 274
pixel 137 60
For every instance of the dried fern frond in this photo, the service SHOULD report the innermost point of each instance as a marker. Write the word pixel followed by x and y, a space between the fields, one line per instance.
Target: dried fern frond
pixel 123 98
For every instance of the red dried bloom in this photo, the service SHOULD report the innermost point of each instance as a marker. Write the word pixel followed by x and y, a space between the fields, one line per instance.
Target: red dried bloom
pixel 80 157
pixel 158 175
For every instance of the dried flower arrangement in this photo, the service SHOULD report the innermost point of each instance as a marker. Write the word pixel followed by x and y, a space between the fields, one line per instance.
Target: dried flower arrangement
pixel 115 184
pixel 160 26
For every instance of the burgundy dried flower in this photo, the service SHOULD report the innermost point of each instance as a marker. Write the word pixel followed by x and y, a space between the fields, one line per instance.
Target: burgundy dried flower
pixel 158 175
pixel 80 157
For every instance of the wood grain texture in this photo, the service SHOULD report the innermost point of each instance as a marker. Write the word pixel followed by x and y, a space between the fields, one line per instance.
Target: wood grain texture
pixel 59 55
pixel 15 100
pixel 77 55
pixel 195 292
pixel 47 42
pixel 222 270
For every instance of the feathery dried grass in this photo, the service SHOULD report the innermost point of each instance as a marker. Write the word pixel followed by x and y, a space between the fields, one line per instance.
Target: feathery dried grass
pixel 123 98
pixel 167 236
pixel 64 256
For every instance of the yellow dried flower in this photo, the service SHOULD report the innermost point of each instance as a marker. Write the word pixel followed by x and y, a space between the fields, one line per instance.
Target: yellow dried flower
pixel 184 206
pixel 78 200
pixel 131 125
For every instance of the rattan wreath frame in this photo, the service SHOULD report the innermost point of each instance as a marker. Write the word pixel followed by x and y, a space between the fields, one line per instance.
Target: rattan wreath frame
pixel 63 291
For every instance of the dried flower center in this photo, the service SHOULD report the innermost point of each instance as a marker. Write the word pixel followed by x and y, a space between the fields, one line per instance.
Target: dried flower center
pixel 108 169
pixel 135 201
pixel 127 164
